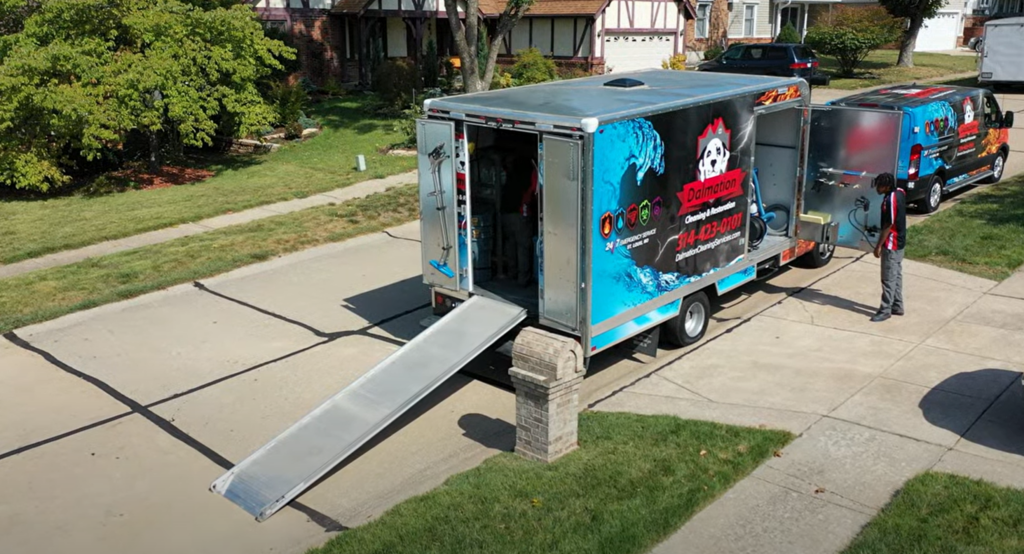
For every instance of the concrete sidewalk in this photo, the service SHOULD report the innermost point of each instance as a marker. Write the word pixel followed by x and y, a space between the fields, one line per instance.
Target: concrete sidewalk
pixel 874 404
pixel 335 196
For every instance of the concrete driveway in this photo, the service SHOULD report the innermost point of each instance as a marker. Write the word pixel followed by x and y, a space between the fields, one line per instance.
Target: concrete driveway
pixel 117 419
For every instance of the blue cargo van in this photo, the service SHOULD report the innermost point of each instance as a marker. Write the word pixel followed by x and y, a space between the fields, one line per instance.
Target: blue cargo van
pixel 952 137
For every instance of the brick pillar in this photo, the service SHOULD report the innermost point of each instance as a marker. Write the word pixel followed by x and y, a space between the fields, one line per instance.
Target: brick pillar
pixel 547 370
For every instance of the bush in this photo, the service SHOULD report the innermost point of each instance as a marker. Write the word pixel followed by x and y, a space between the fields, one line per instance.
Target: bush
pixel 307 122
pixel 677 62
pixel 406 127
pixel 394 82
pixel 431 66
pixel 532 67
pixel 502 80
pixel 288 100
pixel 307 85
pixel 713 52
pixel 853 34
pixel 293 130
pixel 788 34
pixel 332 88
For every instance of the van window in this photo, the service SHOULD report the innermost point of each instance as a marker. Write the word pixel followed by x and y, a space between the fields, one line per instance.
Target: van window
pixel 755 53
pixel 778 53
pixel 992 115
pixel 803 52
pixel 733 53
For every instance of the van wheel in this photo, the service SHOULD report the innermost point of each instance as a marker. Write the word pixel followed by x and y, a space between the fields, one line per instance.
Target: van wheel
pixel 997 169
pixel 819 256
pixel 692 322
pixel 933 197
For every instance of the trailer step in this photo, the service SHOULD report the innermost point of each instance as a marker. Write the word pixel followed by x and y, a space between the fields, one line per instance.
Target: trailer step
pixel 282 469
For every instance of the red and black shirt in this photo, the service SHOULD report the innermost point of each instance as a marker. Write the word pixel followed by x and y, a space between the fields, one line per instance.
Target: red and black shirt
pixel 894 214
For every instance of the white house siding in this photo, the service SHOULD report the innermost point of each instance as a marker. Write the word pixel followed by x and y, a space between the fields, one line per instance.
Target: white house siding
pixel 536 32
pixel 405 5
pixel 762 24
pixel 397 44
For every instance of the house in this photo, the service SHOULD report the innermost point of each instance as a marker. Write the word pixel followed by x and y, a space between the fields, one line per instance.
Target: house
pixel 347 39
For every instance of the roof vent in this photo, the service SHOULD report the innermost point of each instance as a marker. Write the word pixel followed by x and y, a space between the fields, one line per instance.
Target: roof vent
pixel 625 82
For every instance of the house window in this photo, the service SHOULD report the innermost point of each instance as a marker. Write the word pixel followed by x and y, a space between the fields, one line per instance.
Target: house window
pixel 278 25
pixel 749 18
pixel 702 20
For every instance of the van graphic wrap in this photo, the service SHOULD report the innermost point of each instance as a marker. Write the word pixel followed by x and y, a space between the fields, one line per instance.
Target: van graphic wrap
pixel 692 170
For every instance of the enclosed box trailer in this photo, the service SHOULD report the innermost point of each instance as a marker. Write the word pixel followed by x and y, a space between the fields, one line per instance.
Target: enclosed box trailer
pixel 645 193
pixel 1002 45
pixel 648 203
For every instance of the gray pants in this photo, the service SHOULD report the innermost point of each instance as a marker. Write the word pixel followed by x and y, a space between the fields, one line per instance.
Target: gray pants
pixel 517 246
pixel 892 281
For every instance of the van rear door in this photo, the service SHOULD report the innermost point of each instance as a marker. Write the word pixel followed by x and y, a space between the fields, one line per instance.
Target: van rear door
pixel 847 147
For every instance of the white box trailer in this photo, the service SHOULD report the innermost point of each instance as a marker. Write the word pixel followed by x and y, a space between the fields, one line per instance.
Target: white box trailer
pixel 1003 44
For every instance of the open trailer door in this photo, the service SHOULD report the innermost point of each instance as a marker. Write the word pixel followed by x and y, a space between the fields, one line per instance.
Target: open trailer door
pixel 846 149
pixel 439 221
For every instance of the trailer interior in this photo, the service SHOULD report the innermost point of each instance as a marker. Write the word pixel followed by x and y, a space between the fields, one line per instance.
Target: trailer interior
pixel 776 159
pixel 501 164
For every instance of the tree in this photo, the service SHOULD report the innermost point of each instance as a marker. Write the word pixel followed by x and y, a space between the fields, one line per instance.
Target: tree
pixel 913 12
pixel 718 26
pixel 467 38
pixel 852 34
pixel 83 78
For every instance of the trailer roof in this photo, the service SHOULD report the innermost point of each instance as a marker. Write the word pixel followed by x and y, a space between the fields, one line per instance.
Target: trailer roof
pixel 570 102
pixel 1005 21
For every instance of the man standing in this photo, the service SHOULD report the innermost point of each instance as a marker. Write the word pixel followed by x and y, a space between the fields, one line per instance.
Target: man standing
pixel 890 246
pixel 517 206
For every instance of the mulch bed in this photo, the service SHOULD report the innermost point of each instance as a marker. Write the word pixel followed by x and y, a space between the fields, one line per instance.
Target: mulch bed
pixel 168 176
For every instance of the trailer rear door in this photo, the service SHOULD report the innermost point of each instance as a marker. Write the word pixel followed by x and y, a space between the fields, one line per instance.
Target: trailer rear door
pixel 847 148
pixel 561 190
pixel 438 216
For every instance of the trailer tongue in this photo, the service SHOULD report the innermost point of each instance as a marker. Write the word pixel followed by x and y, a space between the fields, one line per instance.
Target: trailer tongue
pixel 290 463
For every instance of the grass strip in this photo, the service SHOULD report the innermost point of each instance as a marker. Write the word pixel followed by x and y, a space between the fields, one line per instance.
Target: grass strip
pixel 939 513
pixel 983 235
pixel 880 69
pixel 50 293
pixel 33 228
pixel 633 482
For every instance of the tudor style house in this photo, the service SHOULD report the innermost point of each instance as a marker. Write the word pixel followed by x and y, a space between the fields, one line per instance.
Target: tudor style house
pixel 347 39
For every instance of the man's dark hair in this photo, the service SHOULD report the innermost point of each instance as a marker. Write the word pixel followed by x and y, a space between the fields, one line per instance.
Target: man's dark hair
pixel 886 181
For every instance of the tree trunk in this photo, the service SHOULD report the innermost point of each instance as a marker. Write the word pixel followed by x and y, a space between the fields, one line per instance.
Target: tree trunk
pixel 718 27
pixel 154 151
pixel 909 41
pixel 465 36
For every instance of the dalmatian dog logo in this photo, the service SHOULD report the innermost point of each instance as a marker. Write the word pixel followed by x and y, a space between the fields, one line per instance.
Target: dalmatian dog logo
pixel 713 151
pixel 968 111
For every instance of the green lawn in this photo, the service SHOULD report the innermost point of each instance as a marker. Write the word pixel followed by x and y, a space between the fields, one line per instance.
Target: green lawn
pixel 880 69
pixel 937 513
pixel 634 481
pixel 34 228
pixel 50 293
pixel 983 235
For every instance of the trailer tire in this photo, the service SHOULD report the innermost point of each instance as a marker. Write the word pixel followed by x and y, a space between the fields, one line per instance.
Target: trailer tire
pixel 692 322
pixel 819 256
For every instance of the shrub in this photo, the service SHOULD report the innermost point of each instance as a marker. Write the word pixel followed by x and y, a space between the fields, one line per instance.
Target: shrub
pixel 307 122
pixel 713 52
pixel 532 67
pixel 293 130
pixel 431 66
pixel 332 88
pixel 502 80
pixel 394 82
pixel 406 127
pixel 307 85
pixel 288 100
pixel 788 34
pixel 677 62
pixel 853 34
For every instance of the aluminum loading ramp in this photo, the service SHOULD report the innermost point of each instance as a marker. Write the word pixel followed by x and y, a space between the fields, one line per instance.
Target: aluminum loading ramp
pixel 282 469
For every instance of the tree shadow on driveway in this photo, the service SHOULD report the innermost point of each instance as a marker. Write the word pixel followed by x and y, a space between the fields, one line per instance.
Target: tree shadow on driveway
pixel 1000 427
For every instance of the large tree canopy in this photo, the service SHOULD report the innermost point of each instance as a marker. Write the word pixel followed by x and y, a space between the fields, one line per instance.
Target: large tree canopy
pixel 77 77
pixel 914 12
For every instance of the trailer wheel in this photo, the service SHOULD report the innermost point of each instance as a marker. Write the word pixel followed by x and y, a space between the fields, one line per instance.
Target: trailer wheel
pixel 692 322
pixel 819 256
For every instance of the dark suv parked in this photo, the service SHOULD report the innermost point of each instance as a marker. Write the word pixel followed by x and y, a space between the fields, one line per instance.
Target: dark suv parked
pixel 784 60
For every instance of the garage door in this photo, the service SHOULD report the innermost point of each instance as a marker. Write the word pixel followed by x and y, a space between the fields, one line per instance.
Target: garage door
pixel 632 51
pixel 939 32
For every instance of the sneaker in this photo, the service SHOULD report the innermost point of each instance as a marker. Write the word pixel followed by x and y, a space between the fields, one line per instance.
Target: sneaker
pixel 880 316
